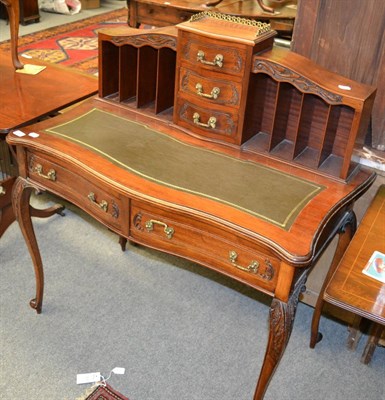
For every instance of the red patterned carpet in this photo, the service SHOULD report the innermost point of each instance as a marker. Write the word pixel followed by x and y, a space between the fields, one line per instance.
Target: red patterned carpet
pixel 74 44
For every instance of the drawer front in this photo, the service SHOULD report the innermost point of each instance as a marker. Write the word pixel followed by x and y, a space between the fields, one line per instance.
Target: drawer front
pixel 103 203
pixel 216 55
pixel 215 91
pixel 154 14
pixel 206 122
pixel 167 231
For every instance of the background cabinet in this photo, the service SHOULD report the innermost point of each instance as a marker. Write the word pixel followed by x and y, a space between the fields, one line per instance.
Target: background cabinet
pixel 347 37
pixel 29 11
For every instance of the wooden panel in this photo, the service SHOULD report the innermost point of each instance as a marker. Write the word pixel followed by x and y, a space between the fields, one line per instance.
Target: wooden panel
pixel 343 130
pixel 127 72
pixel 165 79
pixel 287 114
pixel 347 37
pixel 330 133
pixel 108 73
pixel 266 90
pixel 312 124
pixel 147 68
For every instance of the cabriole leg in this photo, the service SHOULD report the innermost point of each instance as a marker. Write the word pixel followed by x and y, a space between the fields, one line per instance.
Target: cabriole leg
pixel 345 234
pixel 281 325
pixel 20 202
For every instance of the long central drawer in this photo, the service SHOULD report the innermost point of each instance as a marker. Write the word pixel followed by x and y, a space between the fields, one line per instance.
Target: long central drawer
pixel 206 244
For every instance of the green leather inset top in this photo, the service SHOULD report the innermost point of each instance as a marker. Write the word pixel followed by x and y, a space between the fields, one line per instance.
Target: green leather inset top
pixel 265 192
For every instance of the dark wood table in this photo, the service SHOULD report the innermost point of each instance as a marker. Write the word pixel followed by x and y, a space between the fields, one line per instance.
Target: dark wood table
pixel 352 290
pixel 161 13
pixel 27 98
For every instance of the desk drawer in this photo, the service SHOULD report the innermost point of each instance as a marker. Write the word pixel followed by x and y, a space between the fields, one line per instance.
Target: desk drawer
pixel 209 89
pixel 100 201
pixel 214 55
pixel 208 122
pixel 209 245
pixel 159 15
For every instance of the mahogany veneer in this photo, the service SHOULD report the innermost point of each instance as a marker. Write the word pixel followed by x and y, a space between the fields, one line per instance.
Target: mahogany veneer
pixel 257 191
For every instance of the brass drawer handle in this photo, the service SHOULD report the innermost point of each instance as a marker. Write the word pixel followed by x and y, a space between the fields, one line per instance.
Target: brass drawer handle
pixel 103 205
pixel 211 123
pixel 213 95
pixel 51 175
pixel 2 190
pixel 167 229
pixel 217 62
pixel 252 267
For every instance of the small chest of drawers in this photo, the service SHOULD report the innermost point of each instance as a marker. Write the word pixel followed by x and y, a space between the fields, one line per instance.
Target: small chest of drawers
pixel 213 77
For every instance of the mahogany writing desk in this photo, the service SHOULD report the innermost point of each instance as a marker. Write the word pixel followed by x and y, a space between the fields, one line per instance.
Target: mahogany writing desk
pixel 207 143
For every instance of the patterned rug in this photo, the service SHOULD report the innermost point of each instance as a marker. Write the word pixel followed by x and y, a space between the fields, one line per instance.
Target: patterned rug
pixel 72 45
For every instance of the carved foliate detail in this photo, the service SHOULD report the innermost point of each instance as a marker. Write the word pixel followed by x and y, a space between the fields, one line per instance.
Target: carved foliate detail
pixel 157 41
pixel 281 321
pixel 138 221
pixel 268 274
pixel 31 163
pixel 115 210
pixel 284 74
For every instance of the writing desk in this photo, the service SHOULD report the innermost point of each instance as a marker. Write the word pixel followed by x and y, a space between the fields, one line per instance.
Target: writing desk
pixel 189 149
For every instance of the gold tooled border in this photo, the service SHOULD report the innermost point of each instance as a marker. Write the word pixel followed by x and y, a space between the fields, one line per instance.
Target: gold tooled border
pixel 300 205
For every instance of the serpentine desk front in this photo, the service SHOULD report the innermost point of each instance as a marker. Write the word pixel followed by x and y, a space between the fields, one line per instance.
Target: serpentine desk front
pixel 217 199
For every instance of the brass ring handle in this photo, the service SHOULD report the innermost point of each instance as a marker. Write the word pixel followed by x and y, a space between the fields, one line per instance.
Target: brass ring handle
pixel 167 229
pixel 2 190
pixel 103 205
pixel 211 123
pixel 217 62
pixel 213 95
pixel 51 175
pixel 252 267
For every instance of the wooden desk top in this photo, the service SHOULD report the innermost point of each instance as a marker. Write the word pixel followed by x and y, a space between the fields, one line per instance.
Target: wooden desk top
pixel 349 288
pixel 307 225
pixel 25 98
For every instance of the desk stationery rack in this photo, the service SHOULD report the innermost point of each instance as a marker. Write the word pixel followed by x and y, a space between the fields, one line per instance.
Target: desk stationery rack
pixel 271 101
